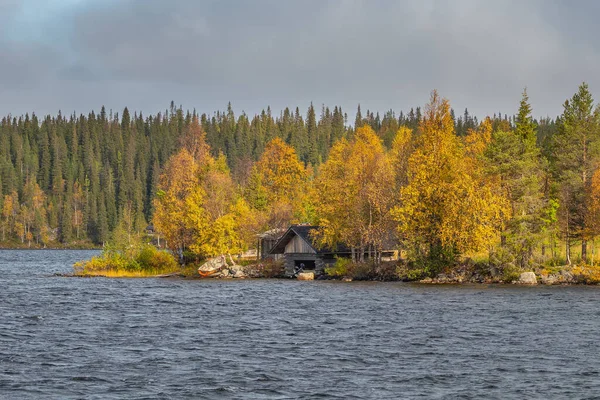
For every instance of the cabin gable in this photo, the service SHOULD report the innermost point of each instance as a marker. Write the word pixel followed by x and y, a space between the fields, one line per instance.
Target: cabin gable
pixel 298 245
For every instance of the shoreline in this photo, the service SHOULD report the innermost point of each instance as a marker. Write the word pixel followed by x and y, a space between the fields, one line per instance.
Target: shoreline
pixel 422 282
pixel 52 248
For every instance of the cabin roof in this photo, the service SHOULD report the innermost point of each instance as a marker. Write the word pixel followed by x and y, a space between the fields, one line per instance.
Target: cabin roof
pixel 304 232
pixel 272 234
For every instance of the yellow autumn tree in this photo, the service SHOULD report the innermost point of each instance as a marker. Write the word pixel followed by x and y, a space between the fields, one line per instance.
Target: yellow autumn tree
pixel 9 212
pixel 446 208
pixel 178 214
pixel 197 207
pixel 399 154
pixel 355 194
pixel 279 186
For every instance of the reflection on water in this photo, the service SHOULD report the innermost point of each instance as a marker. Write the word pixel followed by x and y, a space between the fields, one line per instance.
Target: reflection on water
pixel 273 339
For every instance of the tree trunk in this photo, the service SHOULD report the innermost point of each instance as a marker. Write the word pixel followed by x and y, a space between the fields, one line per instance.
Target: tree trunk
pixel 567 244
pixel 584 251
pixel 231 259
pixel 543 250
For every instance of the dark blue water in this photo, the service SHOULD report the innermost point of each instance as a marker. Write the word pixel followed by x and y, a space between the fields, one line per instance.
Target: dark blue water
pixel 69 338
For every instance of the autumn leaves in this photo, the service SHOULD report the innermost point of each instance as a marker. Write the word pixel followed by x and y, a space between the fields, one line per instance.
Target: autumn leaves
pixel 430 192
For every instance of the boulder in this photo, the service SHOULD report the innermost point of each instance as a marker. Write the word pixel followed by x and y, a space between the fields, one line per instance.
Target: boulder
pixel 347 279
pixel 527 278
pixel 549 279
pixel 225 274
pixel 239 274
pixel 306 276
pixel 235 268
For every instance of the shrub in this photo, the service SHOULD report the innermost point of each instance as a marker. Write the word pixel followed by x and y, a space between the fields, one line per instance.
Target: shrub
pixel 510 273
pixel 340 269
pixel 268 269
pixel 150 258
pixel 589 274
pixel 414 273
pixel 146 261
pixel 362 271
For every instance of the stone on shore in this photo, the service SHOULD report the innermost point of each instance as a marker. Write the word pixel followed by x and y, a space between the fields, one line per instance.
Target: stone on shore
pixel 527 278
pixel 306 276
pixel 239 274
pixel 225 274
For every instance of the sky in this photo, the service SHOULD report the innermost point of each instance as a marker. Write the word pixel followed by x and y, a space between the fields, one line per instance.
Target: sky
pixel 77 55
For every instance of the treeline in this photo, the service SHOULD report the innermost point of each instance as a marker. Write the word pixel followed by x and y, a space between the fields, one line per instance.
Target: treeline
pixel 74 180
pixel 513 188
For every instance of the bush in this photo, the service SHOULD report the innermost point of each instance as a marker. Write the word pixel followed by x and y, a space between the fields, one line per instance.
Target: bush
pixel 345 268
pixel 269 269
pixel 146 261
pixel 510 273
pixel 414 273
pixel 587 274
pixel 340 269
pixel 362 271
pixel 150 258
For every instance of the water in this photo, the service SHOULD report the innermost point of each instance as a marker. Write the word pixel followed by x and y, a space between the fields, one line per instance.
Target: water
pixel 68 338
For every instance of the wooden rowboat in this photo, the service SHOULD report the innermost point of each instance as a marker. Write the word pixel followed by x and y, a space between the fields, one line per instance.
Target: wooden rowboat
pixel 206 274
pixel 212 266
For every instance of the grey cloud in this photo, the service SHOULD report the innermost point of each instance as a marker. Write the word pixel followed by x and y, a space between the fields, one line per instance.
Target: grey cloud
pixel 382 54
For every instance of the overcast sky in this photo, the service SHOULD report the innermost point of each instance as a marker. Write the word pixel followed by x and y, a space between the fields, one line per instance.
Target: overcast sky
pixel 77 55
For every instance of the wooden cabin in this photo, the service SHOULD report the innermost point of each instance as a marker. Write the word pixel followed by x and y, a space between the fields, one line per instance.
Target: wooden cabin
pixel 297 246
pixel 266 242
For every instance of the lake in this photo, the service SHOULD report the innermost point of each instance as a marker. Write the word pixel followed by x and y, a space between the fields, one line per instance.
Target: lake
pixel 73 338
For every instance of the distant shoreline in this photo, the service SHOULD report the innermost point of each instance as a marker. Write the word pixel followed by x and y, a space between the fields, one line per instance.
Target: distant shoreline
pixel 49 248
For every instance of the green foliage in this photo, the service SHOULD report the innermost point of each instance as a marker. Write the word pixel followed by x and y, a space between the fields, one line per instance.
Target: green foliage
pixel 513 157
pixel 511 274
pixel 340 269
pixel 345 268
pixel 416 273
pixel 146 260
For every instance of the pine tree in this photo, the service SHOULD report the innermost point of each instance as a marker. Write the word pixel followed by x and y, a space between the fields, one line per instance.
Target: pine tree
pixel 575 156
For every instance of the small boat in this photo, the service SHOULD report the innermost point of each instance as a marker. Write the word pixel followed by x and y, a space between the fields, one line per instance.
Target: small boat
pixel 206 274
pixel 212 266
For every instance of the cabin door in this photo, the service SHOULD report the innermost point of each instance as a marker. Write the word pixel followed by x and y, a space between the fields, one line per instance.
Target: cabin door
pixel 308 264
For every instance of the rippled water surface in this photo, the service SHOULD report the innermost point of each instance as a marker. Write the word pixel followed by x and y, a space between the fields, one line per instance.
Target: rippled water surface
pixel 69 338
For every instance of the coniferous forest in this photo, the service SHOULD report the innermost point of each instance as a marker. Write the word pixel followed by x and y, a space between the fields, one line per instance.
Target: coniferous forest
pixel 69 180
pixel 429 181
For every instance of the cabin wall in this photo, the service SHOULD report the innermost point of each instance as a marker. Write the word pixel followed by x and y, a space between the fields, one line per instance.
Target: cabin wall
pixel 299 246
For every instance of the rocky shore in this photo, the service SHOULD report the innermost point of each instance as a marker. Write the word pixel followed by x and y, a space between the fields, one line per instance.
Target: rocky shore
pixel 563 276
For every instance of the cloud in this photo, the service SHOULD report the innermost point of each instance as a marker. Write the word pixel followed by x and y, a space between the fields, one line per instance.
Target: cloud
pixel 382 54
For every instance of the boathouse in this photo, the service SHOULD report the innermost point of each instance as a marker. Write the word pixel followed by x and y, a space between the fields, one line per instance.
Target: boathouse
pixel 297 246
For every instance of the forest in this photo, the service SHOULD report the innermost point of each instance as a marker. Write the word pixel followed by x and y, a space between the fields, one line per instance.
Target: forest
pixel 438 186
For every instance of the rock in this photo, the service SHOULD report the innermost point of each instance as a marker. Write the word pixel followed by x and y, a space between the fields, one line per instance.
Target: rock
pixel 567 277
pixel 239 274
pixel 527 278
pixel 549 279
pixel 235 268
pixel 306 276
pixel 225 274
pixel 426 280
pixel 347 280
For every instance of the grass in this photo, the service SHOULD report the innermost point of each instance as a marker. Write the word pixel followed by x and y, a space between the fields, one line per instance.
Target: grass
pixel 130 274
